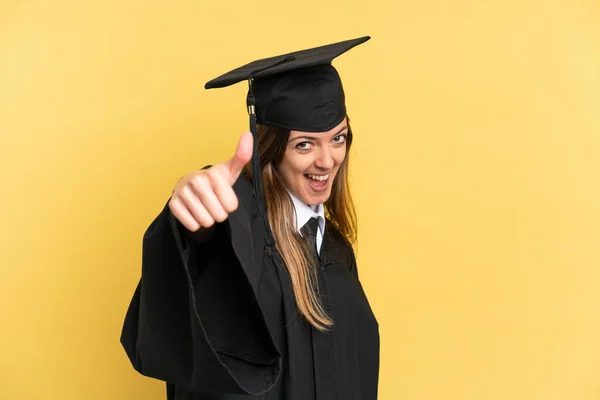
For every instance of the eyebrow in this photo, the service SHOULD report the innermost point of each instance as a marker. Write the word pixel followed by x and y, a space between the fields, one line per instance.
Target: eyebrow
pixel 315 138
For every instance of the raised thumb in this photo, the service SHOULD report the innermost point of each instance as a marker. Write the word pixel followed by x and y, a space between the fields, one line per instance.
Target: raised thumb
pixel 242 156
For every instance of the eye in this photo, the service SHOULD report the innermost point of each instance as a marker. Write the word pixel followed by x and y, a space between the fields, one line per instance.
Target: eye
pixel 340 139
pixel 303 145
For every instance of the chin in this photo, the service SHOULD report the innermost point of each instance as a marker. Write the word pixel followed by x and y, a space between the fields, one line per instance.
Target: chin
pixel 317 199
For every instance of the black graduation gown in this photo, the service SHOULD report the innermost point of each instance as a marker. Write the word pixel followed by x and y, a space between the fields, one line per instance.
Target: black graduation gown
pixel 217 320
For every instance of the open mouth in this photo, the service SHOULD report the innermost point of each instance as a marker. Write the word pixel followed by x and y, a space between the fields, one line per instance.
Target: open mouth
pixel 319 178
pixel 317 182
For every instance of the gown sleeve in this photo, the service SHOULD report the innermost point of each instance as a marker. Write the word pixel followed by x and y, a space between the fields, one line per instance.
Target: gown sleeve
pixel 194 320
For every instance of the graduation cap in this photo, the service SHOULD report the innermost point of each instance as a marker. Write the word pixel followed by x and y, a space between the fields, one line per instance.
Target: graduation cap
pixel 296 91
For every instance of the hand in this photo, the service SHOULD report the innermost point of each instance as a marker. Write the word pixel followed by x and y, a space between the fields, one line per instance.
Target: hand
pixel 204 197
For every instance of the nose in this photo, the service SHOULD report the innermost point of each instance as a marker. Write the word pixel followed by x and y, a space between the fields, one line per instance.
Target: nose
pixel 324 159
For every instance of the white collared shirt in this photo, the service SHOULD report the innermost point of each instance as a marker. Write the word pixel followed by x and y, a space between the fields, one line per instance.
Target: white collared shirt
pixel 304 213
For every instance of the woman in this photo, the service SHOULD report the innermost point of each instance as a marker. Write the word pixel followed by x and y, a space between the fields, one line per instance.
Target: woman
pixel 249 285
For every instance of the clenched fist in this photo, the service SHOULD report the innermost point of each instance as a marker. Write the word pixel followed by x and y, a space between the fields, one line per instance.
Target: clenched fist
pixel 204 197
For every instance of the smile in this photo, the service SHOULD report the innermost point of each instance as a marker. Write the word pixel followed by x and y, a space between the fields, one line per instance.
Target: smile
pixel 317 183
pixel 318 177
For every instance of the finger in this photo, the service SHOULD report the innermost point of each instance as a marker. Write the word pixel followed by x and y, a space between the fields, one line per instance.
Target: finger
pixel 224 192
pixel 180 211
pixel 242 156
pixel 203 189
pixel 195 207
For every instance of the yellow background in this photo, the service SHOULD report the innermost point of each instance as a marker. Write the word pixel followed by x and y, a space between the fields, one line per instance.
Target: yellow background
pixel 476 172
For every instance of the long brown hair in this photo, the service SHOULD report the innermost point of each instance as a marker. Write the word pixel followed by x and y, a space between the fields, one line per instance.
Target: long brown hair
pixel 339 211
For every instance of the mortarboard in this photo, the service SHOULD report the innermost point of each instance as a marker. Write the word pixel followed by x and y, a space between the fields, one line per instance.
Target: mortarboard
pixel 296 91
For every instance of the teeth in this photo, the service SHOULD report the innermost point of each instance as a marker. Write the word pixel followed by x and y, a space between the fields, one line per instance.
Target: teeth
pixel 318 177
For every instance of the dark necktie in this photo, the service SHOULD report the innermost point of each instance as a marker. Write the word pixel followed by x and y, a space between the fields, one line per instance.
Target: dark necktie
pixel 310 228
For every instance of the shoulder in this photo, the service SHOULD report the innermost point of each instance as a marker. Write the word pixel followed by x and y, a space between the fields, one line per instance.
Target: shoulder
pixel 335 234
pixel 340 249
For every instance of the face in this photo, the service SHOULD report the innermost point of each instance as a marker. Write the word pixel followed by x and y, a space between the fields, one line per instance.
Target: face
pixel 312 161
